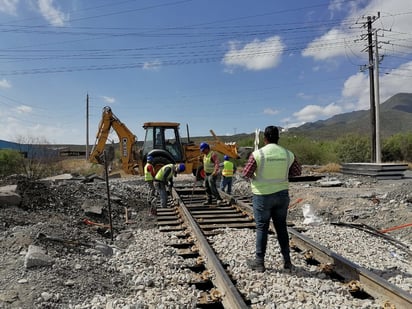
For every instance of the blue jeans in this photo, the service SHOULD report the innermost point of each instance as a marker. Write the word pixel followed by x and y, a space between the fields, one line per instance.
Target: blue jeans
pixel 271 206
pixel 226 182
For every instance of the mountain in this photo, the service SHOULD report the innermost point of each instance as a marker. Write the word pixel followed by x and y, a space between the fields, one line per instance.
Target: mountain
pixel 395 117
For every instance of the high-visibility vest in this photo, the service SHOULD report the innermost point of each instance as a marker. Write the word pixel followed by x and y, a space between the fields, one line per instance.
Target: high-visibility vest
pixel 208 164
pixel 147 175
pixel 161 172
pixel 228 169
pixel 272 172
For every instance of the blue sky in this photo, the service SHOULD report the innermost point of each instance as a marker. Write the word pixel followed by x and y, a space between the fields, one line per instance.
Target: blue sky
pixel 232 66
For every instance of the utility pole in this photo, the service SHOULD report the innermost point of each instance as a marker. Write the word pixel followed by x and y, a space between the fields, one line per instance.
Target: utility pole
pixel 87 127
pixel 377 96
pixel 372 91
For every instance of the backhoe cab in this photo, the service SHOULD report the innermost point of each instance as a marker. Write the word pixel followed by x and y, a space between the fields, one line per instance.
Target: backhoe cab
pixel 162 142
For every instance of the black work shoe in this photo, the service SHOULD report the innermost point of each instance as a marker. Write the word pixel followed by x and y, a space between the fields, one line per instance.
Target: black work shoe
pixel 207 202
pixel 256 265
pixel 288 266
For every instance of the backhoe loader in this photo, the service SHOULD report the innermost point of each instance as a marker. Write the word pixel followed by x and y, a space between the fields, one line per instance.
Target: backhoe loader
pixel 162 141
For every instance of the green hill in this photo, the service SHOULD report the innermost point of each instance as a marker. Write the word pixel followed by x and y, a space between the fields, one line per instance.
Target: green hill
pixel 395 117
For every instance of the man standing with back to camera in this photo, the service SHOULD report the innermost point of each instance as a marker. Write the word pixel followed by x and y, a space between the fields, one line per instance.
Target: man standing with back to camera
pixel 269 168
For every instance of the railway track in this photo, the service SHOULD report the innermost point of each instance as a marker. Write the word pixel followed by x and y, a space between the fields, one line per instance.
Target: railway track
pixel 196 225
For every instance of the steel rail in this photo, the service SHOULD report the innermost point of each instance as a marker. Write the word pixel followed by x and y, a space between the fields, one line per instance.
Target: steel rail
pixel 371 283
pixel 231 296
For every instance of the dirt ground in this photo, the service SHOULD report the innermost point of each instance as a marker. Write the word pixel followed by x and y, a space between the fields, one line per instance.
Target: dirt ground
pixel 52 216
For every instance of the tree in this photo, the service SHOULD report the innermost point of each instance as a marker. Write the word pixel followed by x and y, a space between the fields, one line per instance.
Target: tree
pixel 39 157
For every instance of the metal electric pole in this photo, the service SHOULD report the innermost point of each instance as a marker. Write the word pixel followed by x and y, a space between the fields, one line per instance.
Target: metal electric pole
pixel 87 127
pixel 377 97
pixel 372 91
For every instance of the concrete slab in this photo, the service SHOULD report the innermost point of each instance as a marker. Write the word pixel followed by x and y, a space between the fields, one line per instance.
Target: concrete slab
pixel 378 170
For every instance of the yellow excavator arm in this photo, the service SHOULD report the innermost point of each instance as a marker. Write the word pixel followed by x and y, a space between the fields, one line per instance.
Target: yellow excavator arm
pixel 127 141
pixel 229 149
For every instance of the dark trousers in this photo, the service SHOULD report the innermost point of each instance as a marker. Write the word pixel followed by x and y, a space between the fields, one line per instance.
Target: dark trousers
pixel 266 207
pixel 211 189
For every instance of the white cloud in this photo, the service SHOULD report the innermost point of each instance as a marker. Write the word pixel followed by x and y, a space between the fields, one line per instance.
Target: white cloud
pixel 4 83
pixel 17 129
pixel 256 55
pixel 108 100
pixel 331 44
pixel 356 94
pixel 152 65
pixel 335 5
pixel 270 111
pixel 53 15
pixel 9 6
pixel 395 81
pixel 314 112
pixel 24 109
pixel 336 41
pixel 356 87
pixel 304 96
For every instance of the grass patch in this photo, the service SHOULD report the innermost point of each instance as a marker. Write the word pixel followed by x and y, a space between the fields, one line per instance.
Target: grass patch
pixel 80 167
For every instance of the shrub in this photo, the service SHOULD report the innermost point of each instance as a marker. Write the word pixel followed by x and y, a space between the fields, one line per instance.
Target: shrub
pixel 397 148
pixel 10 162
pixel 307 151
pixel 353 148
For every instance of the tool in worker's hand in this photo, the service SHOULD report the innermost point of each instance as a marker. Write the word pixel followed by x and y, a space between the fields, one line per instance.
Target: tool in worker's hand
pixel 292 205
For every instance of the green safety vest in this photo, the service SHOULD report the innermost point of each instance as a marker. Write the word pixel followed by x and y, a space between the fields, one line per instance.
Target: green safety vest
pixel 272 172
pixel 208 165
pixel 147 175
pixel 161 172
pixel 228 169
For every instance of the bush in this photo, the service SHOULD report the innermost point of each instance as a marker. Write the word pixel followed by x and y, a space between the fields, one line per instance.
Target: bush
pixel 353 148
pixel 10 162
pixel 307 151
pixel 397 148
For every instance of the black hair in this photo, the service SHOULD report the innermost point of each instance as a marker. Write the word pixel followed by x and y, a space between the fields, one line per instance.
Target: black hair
pixel 271 134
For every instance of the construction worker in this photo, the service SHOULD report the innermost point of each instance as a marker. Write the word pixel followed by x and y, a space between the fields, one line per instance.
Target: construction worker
pixel 228 171
pixel 149 175
pixel 269 168
pixel 211 169
pixel 164 177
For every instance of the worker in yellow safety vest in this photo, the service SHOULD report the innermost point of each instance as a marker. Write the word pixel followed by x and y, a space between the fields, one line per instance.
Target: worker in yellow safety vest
pixel 228 172
pixel 269 169
pixel 211 169
pixel 164 177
